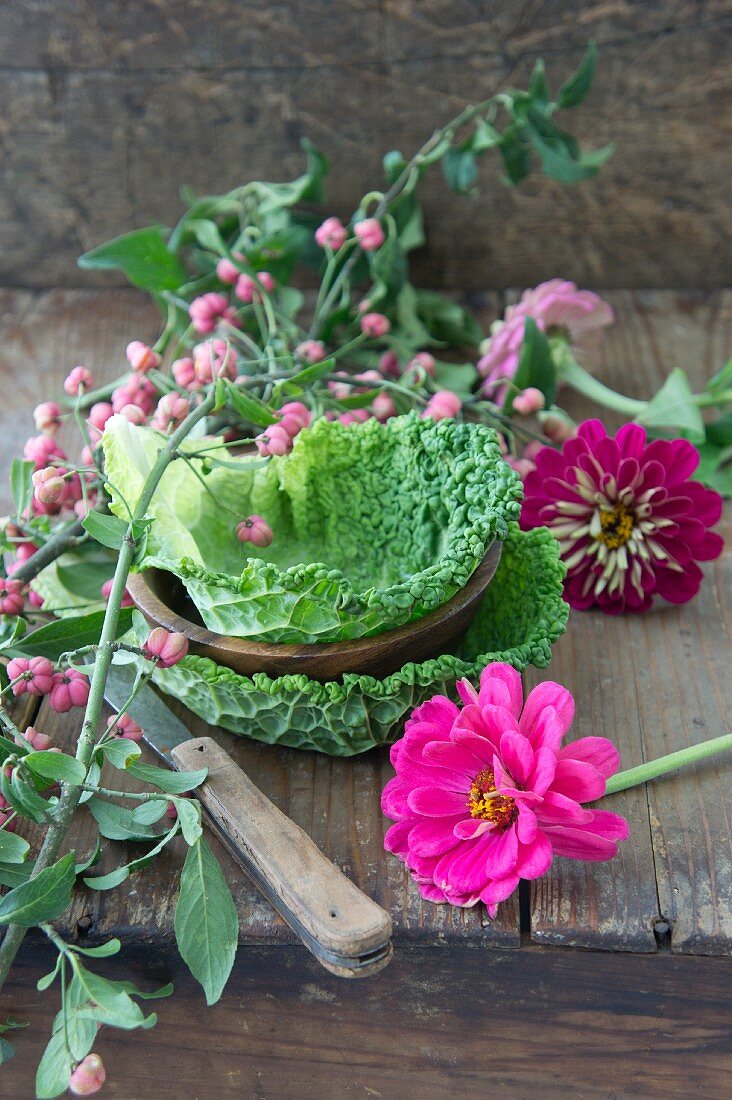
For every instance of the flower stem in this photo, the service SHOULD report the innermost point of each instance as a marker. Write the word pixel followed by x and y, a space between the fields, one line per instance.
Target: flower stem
pixel 569 371
pixel 634 776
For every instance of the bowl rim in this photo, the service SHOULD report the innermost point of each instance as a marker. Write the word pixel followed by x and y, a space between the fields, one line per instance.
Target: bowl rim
pixel 156 610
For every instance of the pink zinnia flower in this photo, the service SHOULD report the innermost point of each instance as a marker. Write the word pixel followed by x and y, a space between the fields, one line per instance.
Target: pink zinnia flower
pixel 557 306
pixel 485 795
pixel 629 521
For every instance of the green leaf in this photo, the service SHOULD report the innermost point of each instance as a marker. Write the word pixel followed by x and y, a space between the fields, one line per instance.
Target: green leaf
pixel 143 256
pixel 14 874
pixel 446 319
pixel 121 752
pixel 538 88
pixel 21 484
pixel 312 373
pixel 67 634
pixel 42 898
pixel 111 947
pixel 114 878
pixel 460 170
pixel 516 156
pixel 248 407
pixel 574 90
pixel 54 1069
pixel 57 766
pixel 48 979
pixel 189 816
pixel 484 137
pixel 117 823
pixel 13 848
pixel 722 380
pixel 208 235
pixel 713 470
pixel 166 780
pixel 673 409
pixel 458 377
pixel 720 431
pixel 147 813
pixel 557 162
pixel 536 366
pixel 206 922
pixel 91 859
pixel 108 530
pixel 24 798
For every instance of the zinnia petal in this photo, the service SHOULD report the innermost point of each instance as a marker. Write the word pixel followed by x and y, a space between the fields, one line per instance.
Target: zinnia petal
pixel 517 755
pixel 535 859
pixel 598 751
pixel 578 780
pixel 434 836
pixel 500 684
pixel 433 802
pixel 546 694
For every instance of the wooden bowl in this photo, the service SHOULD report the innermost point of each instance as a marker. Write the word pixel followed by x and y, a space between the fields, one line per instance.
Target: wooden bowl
pixel 163 600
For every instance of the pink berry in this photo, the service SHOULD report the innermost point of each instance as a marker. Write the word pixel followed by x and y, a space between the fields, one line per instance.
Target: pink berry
pixel 311 351
pixel 248 289
pixel 185 374
pixel 49 486
pixel 214 359
pixel 331 234
pixel 99 414
pixel 25 550
pixel 297 411
pixel 125 726
pixel 127 600
pixel 88 1077
pixel 171 411
pixel 557 428
pixel 531 400
pixel 375 324
pixel 37 673
pixel 78 381
pixel 424 361
pixel 274 441
pixel 141 357
pixel 41 450
pixel 47 416
pixel 164 647
pixel 443 405
pixel 256 530
pixel 12 599
pixel 227 271
pixel 69 689
pixel 389 364
pixel 34 598
pixel 133 413
pixel 207 310
pixel 370 234
pixel 357 416
pixel 39 741
pixel 383 407
pixel 137 390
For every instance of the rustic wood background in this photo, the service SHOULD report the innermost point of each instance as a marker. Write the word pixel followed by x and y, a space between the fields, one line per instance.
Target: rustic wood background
pixel 108 107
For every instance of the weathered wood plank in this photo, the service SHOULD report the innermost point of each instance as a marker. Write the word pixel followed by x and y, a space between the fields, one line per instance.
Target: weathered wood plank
pixel 44 335
pixel 653 684
pixel 434 1024
pixel 108 108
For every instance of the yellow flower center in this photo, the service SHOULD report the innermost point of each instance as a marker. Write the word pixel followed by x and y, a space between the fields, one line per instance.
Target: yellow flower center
pixel 485 802
pixel 616 526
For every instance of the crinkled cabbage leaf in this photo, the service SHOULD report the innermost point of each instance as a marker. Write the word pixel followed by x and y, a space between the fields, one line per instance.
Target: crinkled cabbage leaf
pixel 375 524
pixel 521 616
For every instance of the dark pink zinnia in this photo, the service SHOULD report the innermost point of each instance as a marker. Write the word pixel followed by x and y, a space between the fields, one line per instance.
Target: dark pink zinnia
pixel 485 795
pixel 630 523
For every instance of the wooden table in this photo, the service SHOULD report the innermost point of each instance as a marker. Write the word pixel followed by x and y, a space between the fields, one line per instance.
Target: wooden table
pixel 601 980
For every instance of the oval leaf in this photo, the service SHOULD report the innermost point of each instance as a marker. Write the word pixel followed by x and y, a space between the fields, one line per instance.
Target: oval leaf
pixel 56 765
pixel 42 898
pixel 206 922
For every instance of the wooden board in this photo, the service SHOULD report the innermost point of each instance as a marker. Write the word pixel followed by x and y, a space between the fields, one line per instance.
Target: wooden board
pixel 435 1024
pixel 107 109
pixel 646 683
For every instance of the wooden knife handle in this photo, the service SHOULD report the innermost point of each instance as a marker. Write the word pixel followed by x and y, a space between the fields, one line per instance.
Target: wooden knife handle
pixel 339 923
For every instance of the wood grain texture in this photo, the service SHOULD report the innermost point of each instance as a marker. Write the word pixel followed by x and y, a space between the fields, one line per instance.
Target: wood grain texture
pixel 653 684
pixel 435 1024
pixel 646 683
pixel 107 109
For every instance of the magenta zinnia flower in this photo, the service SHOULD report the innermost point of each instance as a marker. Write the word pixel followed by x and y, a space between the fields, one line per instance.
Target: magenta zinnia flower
pixel 485 795
pixel 630 523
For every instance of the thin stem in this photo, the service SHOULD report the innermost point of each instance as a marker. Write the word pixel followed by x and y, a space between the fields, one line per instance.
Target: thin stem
pixel 634 776
pixel 85 746
pixel 569 371
pixel 57 545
